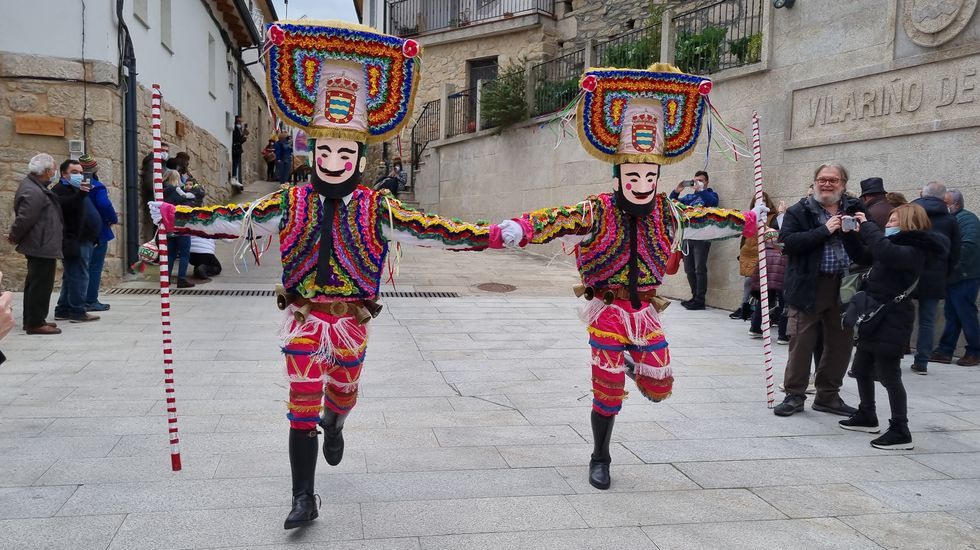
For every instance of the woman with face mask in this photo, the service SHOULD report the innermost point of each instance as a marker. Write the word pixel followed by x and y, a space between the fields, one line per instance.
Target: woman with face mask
pixel 898 256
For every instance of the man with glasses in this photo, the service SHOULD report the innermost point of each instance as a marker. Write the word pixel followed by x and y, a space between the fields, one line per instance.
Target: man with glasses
pixel 816 233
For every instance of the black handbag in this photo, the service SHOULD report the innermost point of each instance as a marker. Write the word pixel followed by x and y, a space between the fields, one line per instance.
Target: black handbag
pixel 862 310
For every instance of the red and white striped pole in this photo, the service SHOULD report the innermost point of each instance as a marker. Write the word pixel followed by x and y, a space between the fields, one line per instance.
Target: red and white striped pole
pixel 168 357
pixel 761 227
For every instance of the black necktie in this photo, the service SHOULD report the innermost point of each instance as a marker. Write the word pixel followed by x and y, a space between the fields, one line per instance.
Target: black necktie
pixel 634 268
pixel 326 240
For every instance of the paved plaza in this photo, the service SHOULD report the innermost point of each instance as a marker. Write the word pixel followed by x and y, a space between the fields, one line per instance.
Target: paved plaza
pixel 472 431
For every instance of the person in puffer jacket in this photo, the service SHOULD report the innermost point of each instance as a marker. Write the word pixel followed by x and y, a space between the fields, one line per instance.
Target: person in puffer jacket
pixel 776 269
pixel 900 258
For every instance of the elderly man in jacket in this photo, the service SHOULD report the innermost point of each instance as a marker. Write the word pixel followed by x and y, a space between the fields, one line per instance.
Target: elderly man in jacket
pixel 960 309
pixel 875 202
pixel 37 233
pixel 932 284
pixel 816 235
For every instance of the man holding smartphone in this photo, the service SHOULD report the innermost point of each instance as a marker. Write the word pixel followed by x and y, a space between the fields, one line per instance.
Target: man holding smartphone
pixel 81 233
pixel 696 258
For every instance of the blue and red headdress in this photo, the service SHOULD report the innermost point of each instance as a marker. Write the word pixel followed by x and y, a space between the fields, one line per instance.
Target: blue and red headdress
pixel 335 79
pixel 632 115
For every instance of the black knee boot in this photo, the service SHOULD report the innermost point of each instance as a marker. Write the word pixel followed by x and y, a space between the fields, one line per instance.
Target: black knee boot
pixel 302 462
pixel 602 427
pixel 333 436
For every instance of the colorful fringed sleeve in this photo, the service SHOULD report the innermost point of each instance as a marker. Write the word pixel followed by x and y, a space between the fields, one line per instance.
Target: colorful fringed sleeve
pixel 412 227
pixel 569 223
pixel 700 223
pixel 229 221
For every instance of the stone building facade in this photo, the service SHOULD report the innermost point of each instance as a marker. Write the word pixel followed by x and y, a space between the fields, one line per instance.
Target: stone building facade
pixel 888 88
pixel 29 86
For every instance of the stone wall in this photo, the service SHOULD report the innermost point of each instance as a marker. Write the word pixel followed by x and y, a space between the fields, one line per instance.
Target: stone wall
pixel 929 132
pixel 446 63
pixel 22 95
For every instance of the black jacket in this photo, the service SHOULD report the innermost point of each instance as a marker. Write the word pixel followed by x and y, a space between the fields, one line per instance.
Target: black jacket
pixel 80 224
pixel 895 262
pixel 803 237
pixel 933 283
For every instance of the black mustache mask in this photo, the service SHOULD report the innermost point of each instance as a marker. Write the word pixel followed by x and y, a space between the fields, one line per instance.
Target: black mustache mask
pixel 630 207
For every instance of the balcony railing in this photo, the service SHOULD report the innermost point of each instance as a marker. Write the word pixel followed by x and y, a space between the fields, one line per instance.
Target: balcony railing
pixel 415 17
pixel 462 112
pixel 719 36
pixel 426 129
pixel 556 82
pixel 634 50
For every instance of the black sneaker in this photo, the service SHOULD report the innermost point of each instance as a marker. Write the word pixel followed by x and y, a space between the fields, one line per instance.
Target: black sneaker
pixel 896 438
pixel 791 405
pixel 694 306
pixel 686 303
pixel 839 408
pixel 920 369
pixel 861 421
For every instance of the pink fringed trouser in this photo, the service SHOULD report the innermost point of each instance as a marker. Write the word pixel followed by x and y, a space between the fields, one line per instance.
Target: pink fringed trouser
pixel 323 364
pixel 614 330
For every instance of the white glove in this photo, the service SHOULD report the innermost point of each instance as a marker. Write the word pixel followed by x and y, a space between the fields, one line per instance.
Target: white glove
pixel 760 210
pixel 512 233
pixel 155 214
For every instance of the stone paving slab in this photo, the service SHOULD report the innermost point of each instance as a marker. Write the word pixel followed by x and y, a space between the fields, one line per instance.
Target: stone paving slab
pixel 572 539
pixel 933 495
pixel 242 526
pixel 919 530
pixel 33 502
pixel 763 473
pixel 667 507
pixel 823 534
pixel 817 501
pixel 484 515
pixel 442 458
pixel 80 533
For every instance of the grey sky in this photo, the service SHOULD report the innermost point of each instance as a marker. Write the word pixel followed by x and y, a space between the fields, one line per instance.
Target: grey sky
pixel 317 9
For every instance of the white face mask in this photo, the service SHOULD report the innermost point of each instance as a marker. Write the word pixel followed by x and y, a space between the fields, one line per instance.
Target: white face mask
pixel 165 155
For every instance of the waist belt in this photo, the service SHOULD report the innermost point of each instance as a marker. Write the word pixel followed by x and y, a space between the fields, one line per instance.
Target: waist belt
pixel 610 294
pixel 362 310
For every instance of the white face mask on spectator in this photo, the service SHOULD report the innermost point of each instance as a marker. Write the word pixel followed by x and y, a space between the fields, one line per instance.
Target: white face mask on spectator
pixel 165 155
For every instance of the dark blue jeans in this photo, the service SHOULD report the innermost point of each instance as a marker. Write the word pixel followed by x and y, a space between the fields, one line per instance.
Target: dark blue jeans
pixel 95 266
pixel 927 329
pixel 179 248
pixel 960 312
pixel 74 284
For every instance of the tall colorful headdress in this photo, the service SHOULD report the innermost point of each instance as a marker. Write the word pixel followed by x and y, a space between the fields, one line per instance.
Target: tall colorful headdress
pixel 632 115
pixel 335 79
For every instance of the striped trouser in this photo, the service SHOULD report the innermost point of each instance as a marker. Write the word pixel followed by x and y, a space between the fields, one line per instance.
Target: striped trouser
pixel 618 329
pixel 323 364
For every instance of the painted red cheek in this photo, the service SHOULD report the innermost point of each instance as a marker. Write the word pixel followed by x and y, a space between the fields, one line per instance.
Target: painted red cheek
pixel 319 162
pixel 629 187
pixel 348 166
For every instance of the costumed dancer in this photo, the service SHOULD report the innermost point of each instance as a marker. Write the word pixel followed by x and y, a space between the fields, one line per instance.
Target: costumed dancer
pixel 638 120
pixel 345 86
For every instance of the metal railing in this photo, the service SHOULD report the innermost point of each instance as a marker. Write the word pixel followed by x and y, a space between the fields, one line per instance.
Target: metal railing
pixel 556 82
pixel 719 36
pixel 634 50
pixel 426 129
pixel 461 111
pixel 415 17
